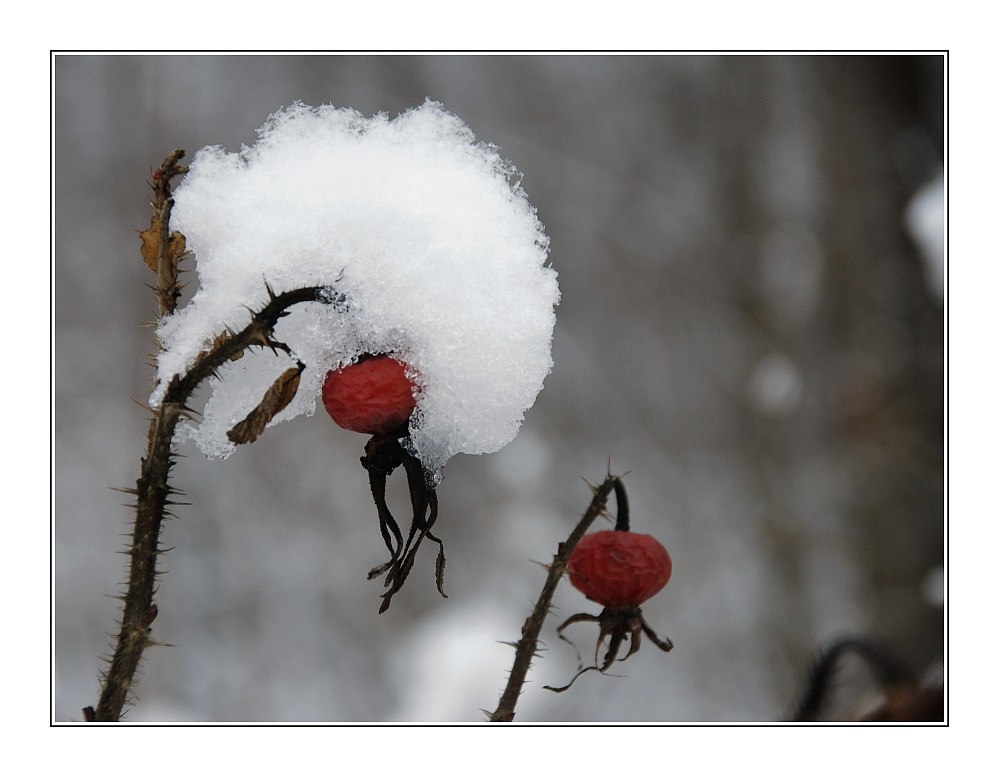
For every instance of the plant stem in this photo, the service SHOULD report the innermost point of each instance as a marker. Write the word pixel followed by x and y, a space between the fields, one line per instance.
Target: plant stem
pixel 623 511
pixel 152 489
pixel 527 646
pixel 167 287
pixel 153 493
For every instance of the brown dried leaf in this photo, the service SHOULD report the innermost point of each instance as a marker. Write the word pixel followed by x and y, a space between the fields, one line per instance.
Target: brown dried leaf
pixel 151 244
pixel 177 246
pixel 276 399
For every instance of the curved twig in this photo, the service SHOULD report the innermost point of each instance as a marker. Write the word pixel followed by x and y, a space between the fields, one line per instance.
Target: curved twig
pixel 887 668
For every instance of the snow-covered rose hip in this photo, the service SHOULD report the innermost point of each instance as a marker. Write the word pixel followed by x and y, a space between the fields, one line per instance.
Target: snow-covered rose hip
pixel 619 569
pixel 377 395
pixel 374 395
pixel 413 238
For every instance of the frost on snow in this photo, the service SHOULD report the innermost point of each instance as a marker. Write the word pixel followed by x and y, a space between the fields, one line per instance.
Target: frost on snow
pixel 427 241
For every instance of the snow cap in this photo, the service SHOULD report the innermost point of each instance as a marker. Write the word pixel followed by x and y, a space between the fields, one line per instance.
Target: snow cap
pixel 425 234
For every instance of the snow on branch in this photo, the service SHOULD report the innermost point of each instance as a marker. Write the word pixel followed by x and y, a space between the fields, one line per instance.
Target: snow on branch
pixel 429 240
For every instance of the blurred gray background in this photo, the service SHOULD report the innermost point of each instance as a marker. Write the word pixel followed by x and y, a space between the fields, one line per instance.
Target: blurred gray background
pixel 747 326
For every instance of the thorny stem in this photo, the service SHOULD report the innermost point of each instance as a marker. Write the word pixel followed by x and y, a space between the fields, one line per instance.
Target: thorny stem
pixel 152 490
pixel 527 646
pixel 167 287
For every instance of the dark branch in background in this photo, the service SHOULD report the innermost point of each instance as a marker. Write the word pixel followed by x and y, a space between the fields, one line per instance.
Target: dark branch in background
pixel 527 646
pixel 904 700
pixel 153 493
pixel 887 668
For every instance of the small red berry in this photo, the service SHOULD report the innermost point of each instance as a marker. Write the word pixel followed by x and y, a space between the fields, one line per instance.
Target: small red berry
pixel 619 569
pixel 372 396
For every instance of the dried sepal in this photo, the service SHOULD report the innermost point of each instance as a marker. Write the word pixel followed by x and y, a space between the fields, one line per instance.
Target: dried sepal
pixel 439 568
pixel 383 455
pixel 618 624
pixel 277 398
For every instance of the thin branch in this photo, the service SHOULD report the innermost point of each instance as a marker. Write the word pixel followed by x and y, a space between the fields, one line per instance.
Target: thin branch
pixel 152 491
pixel 162 250
pixel 153 495
pixel 527 646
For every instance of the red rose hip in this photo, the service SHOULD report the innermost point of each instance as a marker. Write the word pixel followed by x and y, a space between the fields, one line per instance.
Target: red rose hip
pixel 619 569
pixel 371 396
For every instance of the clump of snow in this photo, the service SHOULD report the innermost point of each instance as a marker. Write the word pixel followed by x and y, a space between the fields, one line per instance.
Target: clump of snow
pixel 426 234
pixel 926 219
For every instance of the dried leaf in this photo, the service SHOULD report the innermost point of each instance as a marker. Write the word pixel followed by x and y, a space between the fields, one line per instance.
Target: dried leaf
pixel 151 244
pixel 177 246
pixel 276 399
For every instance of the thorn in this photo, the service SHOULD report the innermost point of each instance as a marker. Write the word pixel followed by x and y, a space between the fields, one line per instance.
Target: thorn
pixel 143 405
